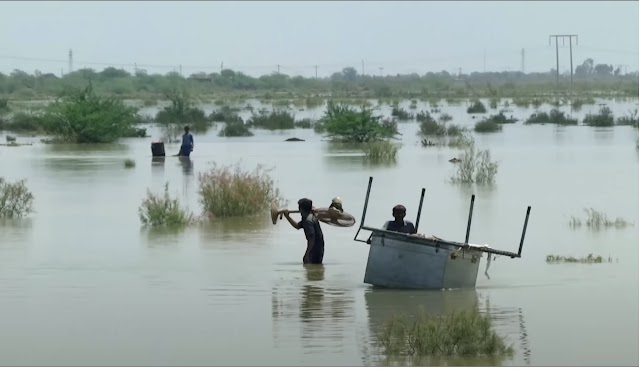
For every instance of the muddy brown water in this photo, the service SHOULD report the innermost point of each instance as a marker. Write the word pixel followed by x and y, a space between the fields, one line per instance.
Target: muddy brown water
pixel 82 284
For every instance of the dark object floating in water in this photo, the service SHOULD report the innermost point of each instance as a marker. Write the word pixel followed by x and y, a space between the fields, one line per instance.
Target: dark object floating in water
pixel 157 149
pixel 11 138
pixel 294 140
pixel 427 143
pixel 455 160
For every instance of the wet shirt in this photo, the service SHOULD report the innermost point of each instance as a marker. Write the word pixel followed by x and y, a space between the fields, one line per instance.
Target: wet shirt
pixel 187 140
pixel 312 231
pixel 404 227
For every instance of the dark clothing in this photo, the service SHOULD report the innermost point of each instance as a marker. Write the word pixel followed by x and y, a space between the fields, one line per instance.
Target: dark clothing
pixel 403 227
pixel 313 233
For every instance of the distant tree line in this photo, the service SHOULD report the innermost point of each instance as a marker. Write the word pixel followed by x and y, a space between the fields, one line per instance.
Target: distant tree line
pixel 348 82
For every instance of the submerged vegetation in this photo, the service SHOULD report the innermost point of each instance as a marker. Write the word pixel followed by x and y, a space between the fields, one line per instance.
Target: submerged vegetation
pixel 466 334
pixel 129 163
pixel 229 191
pixel 590 259
pixel 276 120
pixel 16 201
pixel 477 107
pixel 487 126
pixel 555 116
pixel 345 124
pixel 630 120
pixel 401 114
pixel 180 113
pixel 162 210
pixel 475 167
pixel 81 116
pixel 604 118
pixel 381 151
pixel 598 219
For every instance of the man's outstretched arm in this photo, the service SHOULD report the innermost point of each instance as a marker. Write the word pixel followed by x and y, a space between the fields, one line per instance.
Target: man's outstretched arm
pixel 293 223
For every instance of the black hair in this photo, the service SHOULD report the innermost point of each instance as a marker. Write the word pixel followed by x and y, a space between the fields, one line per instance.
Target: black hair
pixel 186 129
pixel 305 205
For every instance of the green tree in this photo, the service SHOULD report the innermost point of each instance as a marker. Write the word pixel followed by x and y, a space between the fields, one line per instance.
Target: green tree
pixel 80 116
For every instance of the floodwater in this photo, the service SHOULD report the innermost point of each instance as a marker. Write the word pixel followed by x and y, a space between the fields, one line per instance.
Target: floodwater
pixel 82 284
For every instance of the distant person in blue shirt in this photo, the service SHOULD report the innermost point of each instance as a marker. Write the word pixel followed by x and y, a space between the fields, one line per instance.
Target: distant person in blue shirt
pixel 187 143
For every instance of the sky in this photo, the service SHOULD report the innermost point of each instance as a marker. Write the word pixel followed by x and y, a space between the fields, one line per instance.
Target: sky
pixel 255 37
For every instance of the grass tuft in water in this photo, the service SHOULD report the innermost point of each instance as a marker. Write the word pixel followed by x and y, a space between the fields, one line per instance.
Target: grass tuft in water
pixel 162 210
pixel 16 201
pixel 590 259
pixel 230 191
pixel 381 151
pixel 235 129
pixel 598 219
pixel 467 334
pixel 129 163
pixel 276 120
pixel 475 167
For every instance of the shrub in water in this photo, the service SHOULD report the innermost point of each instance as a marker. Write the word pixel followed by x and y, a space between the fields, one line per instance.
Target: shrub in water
pixel 501 119
pixel 129 163
pixel 229 191
pixel 477 107
pixel 345 124
pixel 16 200
pixel 305 123
pixel 235 129
pixel 466 334
pixel 631 119
pixel 276 120
pixel 555 116
pixel 162 210
pixel 604 118
pixel 401 114
pixel 487 126
pixel 429 126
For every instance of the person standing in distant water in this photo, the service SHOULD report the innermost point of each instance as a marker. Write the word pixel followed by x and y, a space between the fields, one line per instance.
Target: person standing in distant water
pixel 187 143
pixel 314 252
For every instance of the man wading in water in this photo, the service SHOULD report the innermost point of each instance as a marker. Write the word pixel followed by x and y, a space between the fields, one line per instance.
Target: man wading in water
pixel 312 231
pixel 187 143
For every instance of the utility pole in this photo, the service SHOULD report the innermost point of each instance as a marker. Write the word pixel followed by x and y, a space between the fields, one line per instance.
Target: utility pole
pixel 381 68
pixel 221 67
pixel 278 68
pixel 522 68
pixel 563 36
pixel 316 71
pixel 459 71
pixel 362 67
pixel 181 70
pixel 70 61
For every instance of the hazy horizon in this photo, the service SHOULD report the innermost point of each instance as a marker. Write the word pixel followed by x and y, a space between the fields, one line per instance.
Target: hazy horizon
pixel 255 37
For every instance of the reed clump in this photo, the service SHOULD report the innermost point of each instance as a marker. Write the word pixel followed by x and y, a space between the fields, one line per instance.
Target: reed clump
pixel 230 191
pixel 467 334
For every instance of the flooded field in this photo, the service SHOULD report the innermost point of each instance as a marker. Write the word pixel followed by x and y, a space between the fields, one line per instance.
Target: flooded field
pixel 82 284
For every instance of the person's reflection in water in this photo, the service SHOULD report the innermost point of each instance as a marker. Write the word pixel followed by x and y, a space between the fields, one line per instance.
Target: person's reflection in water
pixel 187 165
pixel 312 295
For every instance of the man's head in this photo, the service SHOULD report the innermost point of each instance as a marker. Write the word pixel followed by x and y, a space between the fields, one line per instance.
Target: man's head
pixel 399 212
pixel 186 129
pixel 305 205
